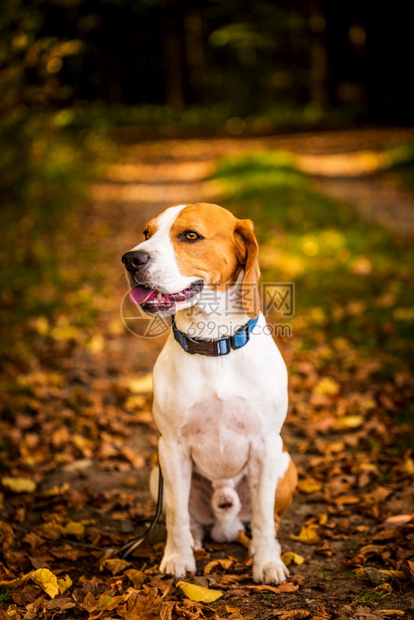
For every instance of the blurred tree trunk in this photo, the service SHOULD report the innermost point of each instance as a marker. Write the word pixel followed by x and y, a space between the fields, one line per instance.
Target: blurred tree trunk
pixel 173 54
pixel 195 57
pixel 318 54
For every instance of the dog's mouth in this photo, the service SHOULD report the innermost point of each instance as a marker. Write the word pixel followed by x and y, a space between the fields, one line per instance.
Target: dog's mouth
pixel 153 301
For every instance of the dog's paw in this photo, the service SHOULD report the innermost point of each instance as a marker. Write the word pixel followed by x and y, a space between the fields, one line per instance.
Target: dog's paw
pixel 177 564
pixel 270 572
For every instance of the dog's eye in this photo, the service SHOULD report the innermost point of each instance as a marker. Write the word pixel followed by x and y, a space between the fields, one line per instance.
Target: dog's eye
pixel 146 234
pixel 190 235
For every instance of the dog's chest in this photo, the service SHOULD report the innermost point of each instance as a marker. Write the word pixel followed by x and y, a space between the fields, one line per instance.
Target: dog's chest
pixel 219 434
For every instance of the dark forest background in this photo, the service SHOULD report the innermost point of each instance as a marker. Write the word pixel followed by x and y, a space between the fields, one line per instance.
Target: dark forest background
pixel 297 63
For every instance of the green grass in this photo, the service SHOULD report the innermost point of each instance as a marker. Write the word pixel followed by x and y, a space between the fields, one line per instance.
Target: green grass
pixel 372 596
pixel 352 278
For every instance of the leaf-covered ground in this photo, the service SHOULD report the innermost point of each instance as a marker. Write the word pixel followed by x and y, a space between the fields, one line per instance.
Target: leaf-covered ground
pixel 77 438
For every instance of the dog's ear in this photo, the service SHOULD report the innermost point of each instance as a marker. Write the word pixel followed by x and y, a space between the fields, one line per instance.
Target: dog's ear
pixel 247 250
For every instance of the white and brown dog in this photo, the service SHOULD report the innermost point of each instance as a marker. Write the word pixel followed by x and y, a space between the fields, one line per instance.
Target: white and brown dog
pixel 220 386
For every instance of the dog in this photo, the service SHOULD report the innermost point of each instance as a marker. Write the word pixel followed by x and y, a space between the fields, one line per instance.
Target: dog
pixel 220 387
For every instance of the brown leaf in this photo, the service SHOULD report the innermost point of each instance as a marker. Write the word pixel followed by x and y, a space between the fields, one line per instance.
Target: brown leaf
pixel 326 549
pixel 211 566
pixel 285 586
pixel 141 606
pixel 293 614
pixel 6 536
pixel 322 613
pixel 60 603
pixel 166 612
pixel 137 577
pixel 114 565
pixel 398 519
pixel 346 499
pixel 243 539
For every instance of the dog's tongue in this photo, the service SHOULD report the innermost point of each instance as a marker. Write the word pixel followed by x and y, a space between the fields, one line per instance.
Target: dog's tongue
pixel 140 294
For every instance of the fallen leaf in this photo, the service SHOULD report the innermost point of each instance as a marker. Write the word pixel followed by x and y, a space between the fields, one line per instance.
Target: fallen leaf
pixel 64 584
pixel 44 578
pixel 293 614
pixel 346 499
pixel 243 539
pixel 19 485
pixel 289 556
pixel 285 586
pixel 225 563
pixel 73 527
pixel 198 593
pixel 309 485
pixel 347 422
pixel 137 577
pixel 398 519
pixel 391 612
pixel 326 549
pixel 61 603
pixel 115 565
pixel 394 574
pixel 308 535
pixel 17 581
pixel 141 384
pixel 322 613
pixel 326 387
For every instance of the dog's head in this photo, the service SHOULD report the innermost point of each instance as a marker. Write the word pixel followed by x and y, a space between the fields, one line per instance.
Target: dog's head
pixel 188 248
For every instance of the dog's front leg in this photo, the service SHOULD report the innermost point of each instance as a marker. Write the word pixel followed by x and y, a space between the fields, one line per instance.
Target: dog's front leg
pixel 263 474
pixel 176 469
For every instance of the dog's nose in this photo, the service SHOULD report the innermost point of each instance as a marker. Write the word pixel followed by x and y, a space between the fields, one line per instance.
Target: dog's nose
pixel 134 260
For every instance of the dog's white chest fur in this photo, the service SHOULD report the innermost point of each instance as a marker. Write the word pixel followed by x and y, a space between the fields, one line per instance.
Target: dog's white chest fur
pixel 219 432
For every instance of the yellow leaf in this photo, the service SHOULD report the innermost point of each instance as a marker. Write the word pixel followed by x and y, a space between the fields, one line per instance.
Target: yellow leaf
pixel 115 565
pixel 391 612
pixel 307 535
pixel 348 421
pixel 198 593
pixel 243 539
pixel 13 583
pixel 290 556
pixel 326 386
pixel 309 485
pixel 73 527
pixel 346 499
pixel 19 485
pixel 136 401
pixel 141 384
pixel 398 574
pixel 64 584
pixel 209 568
pixel 44 578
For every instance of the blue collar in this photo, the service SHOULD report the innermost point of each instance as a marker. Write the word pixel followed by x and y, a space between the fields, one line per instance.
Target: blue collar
pixel 214 348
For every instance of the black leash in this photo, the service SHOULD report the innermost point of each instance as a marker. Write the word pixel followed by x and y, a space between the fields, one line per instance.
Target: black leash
pixel 132 544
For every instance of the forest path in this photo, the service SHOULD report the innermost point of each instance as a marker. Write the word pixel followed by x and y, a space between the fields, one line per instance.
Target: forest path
pixel 344 165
